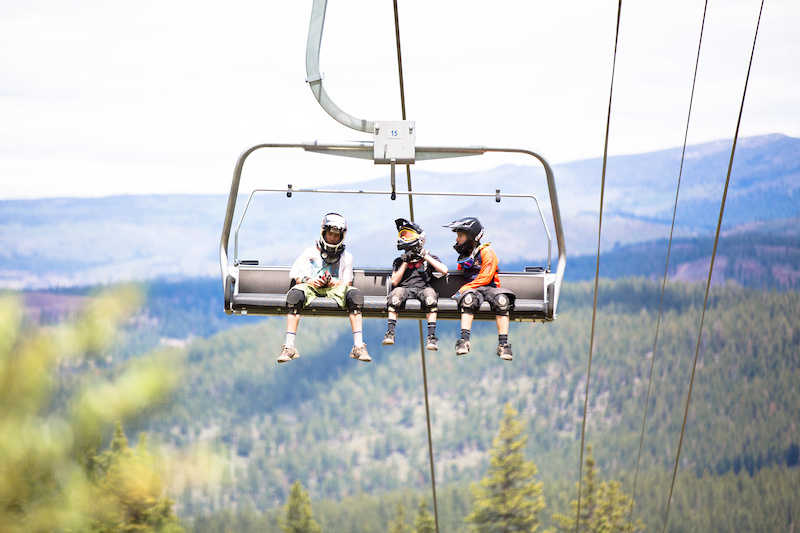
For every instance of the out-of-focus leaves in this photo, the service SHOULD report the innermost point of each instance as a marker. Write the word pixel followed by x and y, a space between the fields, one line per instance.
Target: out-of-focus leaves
pixel 49 462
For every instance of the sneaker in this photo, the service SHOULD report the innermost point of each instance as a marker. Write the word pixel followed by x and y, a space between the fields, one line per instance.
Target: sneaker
pixel 360 353
pixel 287 354
pixel 504 351
pixel 388 338
pixel 432 343
pixel 462 347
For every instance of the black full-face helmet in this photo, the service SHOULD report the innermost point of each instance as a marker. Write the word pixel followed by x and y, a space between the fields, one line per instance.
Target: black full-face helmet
pixel 332 223
pixel 472 227
pixel 410 236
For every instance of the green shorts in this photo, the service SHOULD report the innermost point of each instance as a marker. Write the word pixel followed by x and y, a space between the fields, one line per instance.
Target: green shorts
pixel 336 292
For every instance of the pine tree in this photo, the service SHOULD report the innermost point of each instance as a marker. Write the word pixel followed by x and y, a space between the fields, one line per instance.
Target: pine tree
pixel 398 525
pixel 298 516
pixel 127 489
pixel 424 521
pixel 604 507
pixel 50 468
pixel 508 498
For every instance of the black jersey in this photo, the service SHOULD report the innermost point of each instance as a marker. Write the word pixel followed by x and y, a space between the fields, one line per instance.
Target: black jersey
pixel 417 275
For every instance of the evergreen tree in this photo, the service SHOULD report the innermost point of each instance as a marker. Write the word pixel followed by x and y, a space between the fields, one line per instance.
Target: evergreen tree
pixel 604 507
pixel 51 476
pixel 127 489
pixel 297 514
pixel 424 522
pixel 508 498
pixel 398 525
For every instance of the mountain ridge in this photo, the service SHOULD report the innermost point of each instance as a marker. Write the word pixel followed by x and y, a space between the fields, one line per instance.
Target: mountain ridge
pixel 69 241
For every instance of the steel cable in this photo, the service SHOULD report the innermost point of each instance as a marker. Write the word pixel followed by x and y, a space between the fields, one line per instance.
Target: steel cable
pixel 421 335
pixel 666 267
pixel 711 267
pixel 597 270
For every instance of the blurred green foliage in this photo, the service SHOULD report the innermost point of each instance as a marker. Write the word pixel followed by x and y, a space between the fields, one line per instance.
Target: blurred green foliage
pixel 53 476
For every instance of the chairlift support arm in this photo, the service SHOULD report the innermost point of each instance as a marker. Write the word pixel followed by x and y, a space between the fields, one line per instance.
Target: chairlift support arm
pixel 314 76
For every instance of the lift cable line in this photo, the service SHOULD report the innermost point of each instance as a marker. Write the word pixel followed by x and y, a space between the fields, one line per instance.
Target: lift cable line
pixel 421 334
pixel 666 266
pixel 711 266
pixel 403 108
pixel 252 288
pixel 597 269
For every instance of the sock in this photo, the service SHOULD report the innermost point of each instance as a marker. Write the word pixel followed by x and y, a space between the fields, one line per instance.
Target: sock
pixel 465 334
pixel 358 339
pixel 503 339
pixel 290 339
pixel 392 324
pixel 432 328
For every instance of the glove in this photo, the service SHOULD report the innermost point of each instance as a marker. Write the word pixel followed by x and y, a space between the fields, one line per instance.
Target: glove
pixel 325 278
pixel 408 257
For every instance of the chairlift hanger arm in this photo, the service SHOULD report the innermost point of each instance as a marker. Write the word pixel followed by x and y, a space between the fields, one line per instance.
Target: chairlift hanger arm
pixel 314 77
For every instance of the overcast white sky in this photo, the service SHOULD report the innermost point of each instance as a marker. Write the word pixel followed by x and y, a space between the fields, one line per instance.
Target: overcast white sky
pixel 101 97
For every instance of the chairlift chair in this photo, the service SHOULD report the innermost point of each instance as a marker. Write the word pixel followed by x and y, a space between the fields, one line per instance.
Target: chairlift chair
pixel 251 288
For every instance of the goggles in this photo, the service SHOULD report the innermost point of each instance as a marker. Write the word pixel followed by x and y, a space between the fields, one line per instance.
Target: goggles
pixel 408 235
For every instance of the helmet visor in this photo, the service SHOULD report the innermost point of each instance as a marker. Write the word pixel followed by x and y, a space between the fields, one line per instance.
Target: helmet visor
pixel 408 235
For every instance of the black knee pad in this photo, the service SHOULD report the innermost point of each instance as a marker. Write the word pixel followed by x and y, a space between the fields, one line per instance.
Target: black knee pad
pixel 354 300
pixel 429 300
pixel 294 300
pixel 469 302
pixel 503 303
pixel 396 299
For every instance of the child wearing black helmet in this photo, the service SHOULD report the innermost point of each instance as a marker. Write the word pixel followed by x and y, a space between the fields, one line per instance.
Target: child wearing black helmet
pixel 325 269
pixel 411 278
pixel 480 266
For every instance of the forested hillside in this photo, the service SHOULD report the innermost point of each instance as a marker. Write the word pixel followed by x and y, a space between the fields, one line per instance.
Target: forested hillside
pixel 754 259
pixel 343 429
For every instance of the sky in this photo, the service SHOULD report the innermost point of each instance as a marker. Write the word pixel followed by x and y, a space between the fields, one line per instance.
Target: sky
pixel 101 97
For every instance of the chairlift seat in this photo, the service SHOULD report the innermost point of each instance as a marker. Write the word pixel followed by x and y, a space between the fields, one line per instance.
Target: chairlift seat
pixel 261 290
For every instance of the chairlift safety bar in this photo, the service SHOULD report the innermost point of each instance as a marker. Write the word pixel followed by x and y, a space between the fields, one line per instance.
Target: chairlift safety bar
pixel 290 191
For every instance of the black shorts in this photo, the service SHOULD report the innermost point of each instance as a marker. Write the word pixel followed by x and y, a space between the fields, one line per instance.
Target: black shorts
pixel 428 299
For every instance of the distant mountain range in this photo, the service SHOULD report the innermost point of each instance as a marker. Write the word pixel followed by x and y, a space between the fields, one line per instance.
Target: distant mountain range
pixel 69 241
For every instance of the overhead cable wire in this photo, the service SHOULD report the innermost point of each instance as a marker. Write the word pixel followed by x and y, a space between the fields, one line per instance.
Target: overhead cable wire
pixel 666 266
pixel 402 101
pixel 711 266
pixel 421 335
pixel 597 270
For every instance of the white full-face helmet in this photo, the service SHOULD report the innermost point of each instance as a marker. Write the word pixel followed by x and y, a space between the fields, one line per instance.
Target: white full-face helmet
pixel 332 223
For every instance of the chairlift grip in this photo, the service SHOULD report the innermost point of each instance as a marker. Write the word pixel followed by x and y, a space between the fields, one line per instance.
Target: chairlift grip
pixel 394 193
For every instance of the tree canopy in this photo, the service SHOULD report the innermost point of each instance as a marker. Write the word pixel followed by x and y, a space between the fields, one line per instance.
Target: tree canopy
pixel 508 498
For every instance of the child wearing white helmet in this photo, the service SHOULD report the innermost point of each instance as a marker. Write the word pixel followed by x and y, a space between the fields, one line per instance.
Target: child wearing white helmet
pixel 325 269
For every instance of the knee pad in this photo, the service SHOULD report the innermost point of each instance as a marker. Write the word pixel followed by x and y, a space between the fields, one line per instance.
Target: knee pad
pixel 396 299
pixel 502 304
pixel 469 302
pixel 429 300
pixel 294 300
pixel 354 300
